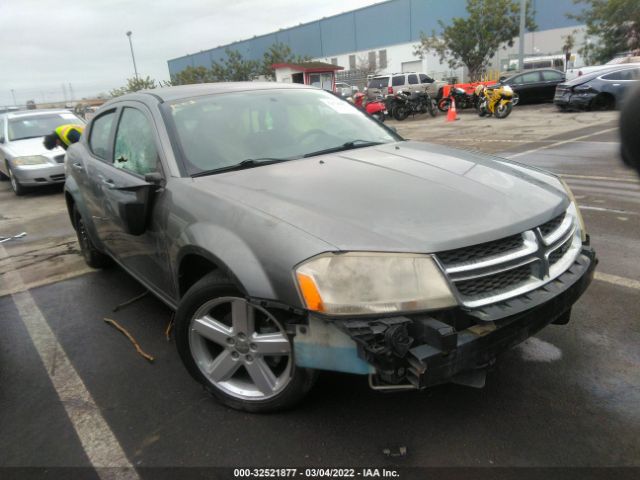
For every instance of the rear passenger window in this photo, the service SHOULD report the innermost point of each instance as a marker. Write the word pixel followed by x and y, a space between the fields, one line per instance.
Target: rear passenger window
pixel 413 79
pixel 398 81
pixel 100 133
pixel 530 77
pixel 551 76
pixel 622 75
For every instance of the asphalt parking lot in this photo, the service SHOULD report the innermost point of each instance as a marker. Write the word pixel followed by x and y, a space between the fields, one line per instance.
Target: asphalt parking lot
pixel 73 391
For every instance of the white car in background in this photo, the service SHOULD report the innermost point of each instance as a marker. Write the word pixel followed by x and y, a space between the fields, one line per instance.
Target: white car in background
pixel 23 158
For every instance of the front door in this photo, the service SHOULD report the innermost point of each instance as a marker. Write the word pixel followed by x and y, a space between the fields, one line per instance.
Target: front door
pixel 122 185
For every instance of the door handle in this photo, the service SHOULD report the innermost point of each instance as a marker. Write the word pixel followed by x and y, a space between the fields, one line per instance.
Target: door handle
pixel 77 166
pixel 107 182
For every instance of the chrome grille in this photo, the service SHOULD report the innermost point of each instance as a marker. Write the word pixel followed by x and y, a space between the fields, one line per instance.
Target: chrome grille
pixel 495 271
pixel 481 251
pixel 552 225
pixel 499 281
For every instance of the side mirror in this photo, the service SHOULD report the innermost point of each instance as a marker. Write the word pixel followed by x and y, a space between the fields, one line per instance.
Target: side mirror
pixel 154 178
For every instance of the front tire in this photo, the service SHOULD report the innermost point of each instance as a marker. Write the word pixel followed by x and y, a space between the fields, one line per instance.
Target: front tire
pixel 238 351
pixel 401 113
pixel 444 104
pixel 16 186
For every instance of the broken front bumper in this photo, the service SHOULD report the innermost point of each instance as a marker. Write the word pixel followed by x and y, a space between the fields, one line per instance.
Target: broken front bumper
pixel 428 349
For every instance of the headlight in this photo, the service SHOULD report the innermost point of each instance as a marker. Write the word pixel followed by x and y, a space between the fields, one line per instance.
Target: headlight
pixel 366 282
pixel 575 210
pixel 30 160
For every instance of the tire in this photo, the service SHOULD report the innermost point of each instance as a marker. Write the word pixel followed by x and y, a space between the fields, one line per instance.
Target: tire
pixel 482 108
pixel 433 108
pixel 92 256
pixel 379 116
pixel 17 188
pixel 214 329
pixel 401 113
pixel 602 103
pixel 444 104
pixel 515 99
pixel 503 110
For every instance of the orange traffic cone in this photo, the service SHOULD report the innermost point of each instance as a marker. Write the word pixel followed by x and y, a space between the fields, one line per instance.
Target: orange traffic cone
pixel 452 114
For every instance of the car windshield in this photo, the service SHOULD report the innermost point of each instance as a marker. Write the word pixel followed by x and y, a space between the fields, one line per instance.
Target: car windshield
pixel 380 82
pixel 34 126
pixel 220 131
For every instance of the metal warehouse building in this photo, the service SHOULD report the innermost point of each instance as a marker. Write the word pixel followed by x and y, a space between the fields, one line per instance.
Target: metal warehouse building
pixel 386 33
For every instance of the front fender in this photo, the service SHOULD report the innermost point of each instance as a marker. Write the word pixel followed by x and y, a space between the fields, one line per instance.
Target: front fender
pixel 74 198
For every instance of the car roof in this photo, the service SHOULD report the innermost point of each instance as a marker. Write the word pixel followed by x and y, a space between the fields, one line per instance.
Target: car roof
pixel 170 94
pixel 590 76
pixel 31 113
pixel 529 70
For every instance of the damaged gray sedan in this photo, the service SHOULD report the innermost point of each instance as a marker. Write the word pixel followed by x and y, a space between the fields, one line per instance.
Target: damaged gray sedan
pixel 292 233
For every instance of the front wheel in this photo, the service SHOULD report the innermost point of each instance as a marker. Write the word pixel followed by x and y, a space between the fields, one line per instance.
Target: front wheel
pixel 444 104
pixel 16 186
pixel 238 351
pixel 503 109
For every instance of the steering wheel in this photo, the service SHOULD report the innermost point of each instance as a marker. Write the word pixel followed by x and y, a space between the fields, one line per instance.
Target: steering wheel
pixel 310 133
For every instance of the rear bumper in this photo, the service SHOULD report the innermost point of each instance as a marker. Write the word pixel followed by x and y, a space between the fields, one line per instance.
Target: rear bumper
pixel 430 349
pixel 570 100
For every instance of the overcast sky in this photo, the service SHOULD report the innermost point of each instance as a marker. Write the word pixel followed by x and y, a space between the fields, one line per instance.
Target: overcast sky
pixel 47 43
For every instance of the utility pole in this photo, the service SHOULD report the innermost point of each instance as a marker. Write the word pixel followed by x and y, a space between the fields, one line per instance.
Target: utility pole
pixel 70 92
pixel 13 94
pixel 135 69
pixel 523 10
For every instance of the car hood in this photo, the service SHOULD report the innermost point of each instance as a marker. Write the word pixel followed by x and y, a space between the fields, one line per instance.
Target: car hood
pixel 32 146
pixel 407 196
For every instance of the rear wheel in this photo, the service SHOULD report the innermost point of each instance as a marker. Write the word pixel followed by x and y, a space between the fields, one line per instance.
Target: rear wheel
pixel 433 108
pixel 238 351
pixel 92 256
pixel 503 110
pixel 400 113
pixel 602 102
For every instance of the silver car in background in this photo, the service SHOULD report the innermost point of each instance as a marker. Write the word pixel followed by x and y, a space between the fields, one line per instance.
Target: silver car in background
pixel 23 158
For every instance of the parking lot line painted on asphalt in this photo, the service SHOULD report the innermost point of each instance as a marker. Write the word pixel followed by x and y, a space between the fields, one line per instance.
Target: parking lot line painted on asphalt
pixel 97 439
pixel 563 142
pixel 616 280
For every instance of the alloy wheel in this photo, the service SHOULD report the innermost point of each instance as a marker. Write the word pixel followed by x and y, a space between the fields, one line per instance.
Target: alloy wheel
pixel 240 348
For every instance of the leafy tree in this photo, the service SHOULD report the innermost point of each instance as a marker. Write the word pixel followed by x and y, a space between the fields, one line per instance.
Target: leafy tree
pixel 133 85
pixel 568 46
pixel 192 75
pixel 473 41
pixel 616 25
pixel 234 68
pixel 279 53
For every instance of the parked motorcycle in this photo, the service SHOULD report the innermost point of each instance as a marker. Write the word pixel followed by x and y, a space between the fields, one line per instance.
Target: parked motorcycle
pixel 496 100
pixel 407 103
pixel 376 108
pixel 462 98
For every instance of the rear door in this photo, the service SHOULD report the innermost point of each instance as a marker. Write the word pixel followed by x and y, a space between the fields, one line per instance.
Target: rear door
pixel 414 82
pixel 123 194
pixel 550 79
pixel 527 86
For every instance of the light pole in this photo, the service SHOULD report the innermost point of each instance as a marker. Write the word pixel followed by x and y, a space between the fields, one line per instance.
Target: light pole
pixel 133 57
pixel 13 94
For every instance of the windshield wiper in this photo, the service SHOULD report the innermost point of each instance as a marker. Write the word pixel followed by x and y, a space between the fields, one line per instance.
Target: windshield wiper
pixel 345 146
pixel 248 163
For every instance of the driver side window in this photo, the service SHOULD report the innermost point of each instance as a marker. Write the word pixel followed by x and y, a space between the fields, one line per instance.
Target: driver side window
pixel 135 148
